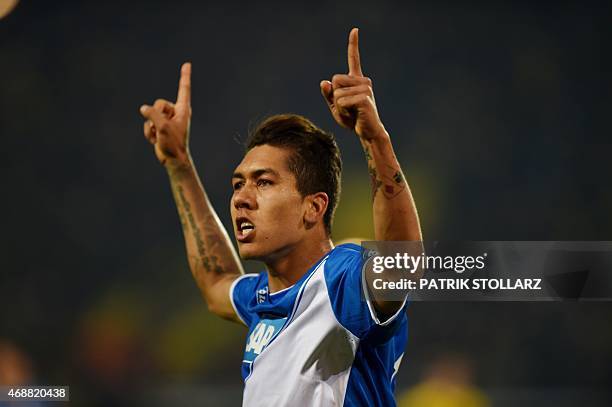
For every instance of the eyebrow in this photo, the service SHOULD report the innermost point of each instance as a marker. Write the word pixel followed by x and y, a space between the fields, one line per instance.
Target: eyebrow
pixel 256 173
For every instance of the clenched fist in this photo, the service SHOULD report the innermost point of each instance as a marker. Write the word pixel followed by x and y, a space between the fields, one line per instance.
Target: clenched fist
pixel 167 124
pixel 350 97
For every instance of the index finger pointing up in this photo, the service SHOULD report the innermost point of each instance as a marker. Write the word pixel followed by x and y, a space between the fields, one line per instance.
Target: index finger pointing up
pixel 354 62
pixel 184 90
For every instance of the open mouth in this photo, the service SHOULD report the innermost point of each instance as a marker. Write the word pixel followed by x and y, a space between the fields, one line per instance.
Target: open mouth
pixel 244 229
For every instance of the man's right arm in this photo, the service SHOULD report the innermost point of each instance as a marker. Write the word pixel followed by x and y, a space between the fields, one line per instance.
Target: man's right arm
pixel 212 258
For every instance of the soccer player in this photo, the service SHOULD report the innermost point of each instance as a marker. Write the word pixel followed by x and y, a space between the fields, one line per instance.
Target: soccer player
pixel 314 336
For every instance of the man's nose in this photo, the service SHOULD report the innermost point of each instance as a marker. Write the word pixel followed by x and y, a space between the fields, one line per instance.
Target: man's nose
pixel 244 198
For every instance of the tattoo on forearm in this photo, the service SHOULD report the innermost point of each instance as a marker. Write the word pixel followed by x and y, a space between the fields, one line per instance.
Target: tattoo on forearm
pixel 376 183
pixel 394 184
pixel 398 177
pixel 372 171
pixel 181 213
pixel 391 184
pixel 208 262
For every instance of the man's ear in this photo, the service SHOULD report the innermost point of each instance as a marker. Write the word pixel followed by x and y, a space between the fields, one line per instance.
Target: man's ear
pixel 316 205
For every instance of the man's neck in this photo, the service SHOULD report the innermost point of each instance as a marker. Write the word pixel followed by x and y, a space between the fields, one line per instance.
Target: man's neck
pixel 287 270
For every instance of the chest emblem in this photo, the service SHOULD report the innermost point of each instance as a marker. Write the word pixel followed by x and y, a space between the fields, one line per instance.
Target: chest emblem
pixel 261 335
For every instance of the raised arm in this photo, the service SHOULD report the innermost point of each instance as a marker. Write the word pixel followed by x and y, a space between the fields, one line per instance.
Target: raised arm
pixel 351 101
pixel 212 258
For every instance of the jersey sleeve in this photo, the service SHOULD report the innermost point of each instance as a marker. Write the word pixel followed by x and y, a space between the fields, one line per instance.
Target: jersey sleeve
pixel 242 292
pixel 350 298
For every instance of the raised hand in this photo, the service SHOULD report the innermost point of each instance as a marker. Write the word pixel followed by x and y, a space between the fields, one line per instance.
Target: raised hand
pixel 167 124
pixel 350 97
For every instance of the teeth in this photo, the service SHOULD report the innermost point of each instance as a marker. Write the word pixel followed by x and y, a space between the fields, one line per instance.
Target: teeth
pixel 246 225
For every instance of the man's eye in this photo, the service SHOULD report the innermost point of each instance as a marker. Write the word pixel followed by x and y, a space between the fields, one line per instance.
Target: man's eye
pixel 238 185
pixel 263 182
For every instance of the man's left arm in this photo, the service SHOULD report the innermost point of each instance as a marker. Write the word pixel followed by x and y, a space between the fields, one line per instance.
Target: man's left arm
pixel 351 102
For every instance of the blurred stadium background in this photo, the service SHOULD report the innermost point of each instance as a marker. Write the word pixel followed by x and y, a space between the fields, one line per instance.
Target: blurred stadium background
pixel 500 114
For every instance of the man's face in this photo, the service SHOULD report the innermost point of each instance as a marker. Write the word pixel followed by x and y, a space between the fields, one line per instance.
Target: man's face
pixel 267 208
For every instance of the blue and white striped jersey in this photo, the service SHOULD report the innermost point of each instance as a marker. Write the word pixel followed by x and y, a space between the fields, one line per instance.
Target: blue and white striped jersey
pixel 318 342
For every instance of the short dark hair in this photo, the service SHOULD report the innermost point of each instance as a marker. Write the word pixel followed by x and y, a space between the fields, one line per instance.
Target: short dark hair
pixel 315 160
